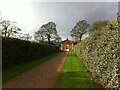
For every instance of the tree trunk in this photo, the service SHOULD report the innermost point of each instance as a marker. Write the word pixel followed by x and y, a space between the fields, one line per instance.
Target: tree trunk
pixel 49 40
pixel 48 36
pixel 80 37
pixel 5 33
pixel 5 30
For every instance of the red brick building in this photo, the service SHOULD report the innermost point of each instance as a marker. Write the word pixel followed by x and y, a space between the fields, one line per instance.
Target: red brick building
pixel 67 45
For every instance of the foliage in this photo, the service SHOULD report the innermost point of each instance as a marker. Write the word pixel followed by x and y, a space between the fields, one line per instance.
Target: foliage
pixel 99 25
pixel 47 32
pixel 112 25
pixel 74 75
pixel 100 53
pixel 15 51
pixel 80 29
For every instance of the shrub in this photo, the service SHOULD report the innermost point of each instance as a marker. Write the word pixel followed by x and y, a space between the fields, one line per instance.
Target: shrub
pixel 100 53
pixel 15 51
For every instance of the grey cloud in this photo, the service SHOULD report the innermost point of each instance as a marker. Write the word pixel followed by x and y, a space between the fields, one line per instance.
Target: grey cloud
pixel 66 14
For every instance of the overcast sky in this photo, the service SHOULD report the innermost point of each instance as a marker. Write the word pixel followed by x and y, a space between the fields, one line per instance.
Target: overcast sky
pixel 31 15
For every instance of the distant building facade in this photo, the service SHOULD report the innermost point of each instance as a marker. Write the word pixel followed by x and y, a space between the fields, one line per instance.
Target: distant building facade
pixel 67 45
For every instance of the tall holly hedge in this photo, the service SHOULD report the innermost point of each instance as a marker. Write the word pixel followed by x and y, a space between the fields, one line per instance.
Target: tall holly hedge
pixel 100 53
pixel 15 51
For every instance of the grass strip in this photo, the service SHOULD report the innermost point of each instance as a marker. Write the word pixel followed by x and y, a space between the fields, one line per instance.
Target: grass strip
pixel 74 75
pixel 12 72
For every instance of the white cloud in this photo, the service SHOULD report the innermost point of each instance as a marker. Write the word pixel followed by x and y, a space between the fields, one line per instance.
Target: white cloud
pixel 30 16
pixel 18 11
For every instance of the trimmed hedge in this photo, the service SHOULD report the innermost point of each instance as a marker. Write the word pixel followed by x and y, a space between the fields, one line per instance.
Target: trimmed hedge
pixel 16 51
pixel 100 53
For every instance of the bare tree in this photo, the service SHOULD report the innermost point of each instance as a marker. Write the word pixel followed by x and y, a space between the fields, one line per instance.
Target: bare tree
pixel 26 36
pixel 9 28
pixel 38 36
pixel 47 32
pixel 57 40
pixel 80 29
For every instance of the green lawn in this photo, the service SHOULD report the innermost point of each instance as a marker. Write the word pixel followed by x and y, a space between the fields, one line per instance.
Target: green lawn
pixel 74 75
pixel 12 72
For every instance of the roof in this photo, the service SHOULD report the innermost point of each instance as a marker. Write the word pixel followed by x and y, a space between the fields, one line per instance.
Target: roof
pixel 67 41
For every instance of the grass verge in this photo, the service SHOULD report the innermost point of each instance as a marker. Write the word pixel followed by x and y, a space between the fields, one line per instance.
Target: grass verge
pixel 12 72
pixel 74 75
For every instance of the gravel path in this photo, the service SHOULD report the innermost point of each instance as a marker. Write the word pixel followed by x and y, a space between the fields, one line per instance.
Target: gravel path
pixel 44 75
